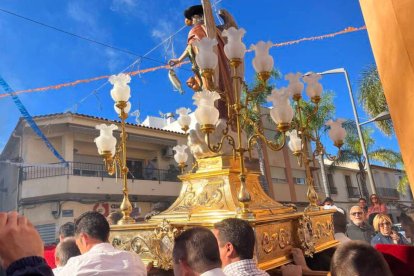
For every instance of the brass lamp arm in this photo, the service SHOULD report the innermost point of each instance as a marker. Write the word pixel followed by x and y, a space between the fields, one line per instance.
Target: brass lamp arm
pixel 333 158
pixel 217 148
pixel 272 145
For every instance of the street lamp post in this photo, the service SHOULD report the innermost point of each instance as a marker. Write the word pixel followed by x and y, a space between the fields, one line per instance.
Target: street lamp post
pixel 358 125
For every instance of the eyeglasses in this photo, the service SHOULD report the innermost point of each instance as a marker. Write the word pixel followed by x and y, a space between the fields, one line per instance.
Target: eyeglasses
pixel 357 214
pixel 384 224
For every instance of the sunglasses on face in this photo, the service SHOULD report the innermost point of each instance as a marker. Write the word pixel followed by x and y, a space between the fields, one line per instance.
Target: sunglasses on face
pixel 384 224
pixel 357 214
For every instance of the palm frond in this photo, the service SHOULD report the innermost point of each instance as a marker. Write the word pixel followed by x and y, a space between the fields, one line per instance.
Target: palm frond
pixel 371 96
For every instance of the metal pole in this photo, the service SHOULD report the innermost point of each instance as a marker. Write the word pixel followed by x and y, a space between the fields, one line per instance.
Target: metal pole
pixel 361 138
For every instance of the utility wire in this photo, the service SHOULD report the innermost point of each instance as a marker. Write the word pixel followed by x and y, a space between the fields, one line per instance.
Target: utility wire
pixel 81 37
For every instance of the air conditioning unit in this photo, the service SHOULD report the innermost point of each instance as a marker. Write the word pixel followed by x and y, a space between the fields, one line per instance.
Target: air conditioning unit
pixel 168 152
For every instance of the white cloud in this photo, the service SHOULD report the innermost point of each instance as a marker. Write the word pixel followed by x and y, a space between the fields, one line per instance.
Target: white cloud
pixel 162 31
pixel 79 14
pixel 113 60
pixel 123 5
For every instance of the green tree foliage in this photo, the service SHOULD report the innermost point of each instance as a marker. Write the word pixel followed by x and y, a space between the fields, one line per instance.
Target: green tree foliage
pixel 371 96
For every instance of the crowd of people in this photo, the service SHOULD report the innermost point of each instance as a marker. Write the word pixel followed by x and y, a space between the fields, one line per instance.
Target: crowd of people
pixel 227 249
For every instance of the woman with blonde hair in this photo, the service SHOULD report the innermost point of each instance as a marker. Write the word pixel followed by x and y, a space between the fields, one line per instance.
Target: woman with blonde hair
pixel 376 206
pixel 382 224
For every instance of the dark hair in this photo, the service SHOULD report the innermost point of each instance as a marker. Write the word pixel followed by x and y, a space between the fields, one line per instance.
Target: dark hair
pixel 198 247
pixel 94 224
pixel 66 249
pixel 239 233
pixel 67 230
pixel 339 222
pixel 362 198
pixel 378 199
pixel 358 258
pixel 328 199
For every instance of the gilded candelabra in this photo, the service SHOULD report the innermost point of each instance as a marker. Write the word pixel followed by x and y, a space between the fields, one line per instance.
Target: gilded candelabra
pixel 287 122
pixel 115 156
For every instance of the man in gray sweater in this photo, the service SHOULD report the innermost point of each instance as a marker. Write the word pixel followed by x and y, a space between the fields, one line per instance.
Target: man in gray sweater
pixel 358 228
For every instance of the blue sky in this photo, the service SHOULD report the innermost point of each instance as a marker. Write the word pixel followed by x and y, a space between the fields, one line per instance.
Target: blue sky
pixel 34 56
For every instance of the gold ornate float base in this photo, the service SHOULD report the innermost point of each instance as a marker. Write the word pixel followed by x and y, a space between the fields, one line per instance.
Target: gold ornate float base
pixel 210 195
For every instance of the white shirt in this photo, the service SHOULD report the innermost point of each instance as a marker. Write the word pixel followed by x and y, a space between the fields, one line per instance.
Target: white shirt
pixel 213 272
pixel 56 270
pixel 104 259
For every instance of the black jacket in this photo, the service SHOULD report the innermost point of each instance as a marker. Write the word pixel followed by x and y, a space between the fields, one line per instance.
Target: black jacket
pixel 33 266
pixel 365 232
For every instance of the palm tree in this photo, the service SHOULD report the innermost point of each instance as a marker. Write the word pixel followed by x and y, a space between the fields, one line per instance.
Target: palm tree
pixel 252 113
pixel 325 112
pixel 352 152
pixel 372 97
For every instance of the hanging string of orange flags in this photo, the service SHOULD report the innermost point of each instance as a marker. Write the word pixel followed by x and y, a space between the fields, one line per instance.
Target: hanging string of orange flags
pixel 152 69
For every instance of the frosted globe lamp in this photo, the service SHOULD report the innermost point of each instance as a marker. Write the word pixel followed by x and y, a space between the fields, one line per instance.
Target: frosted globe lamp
pixel 106 142
pixel 121 92
pixel 282 111
pixel 206 58
pixel 262 62
pixel 206 113
pixel 184 120
pixel 337 133
pixel 295 87
pixel 295 143
pixel 313 88
pixel 180 155
pixel 235 48
pixel 127 108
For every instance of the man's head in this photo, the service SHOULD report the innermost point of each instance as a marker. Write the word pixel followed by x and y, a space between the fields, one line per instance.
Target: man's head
pixel 358 258
pixel 195 252
pixel 407 223
pixel 356 215
pixel 328 202
pixel 235 239
pixel 362 202
pixel 65 250
pixel 66 230
pixel 90 228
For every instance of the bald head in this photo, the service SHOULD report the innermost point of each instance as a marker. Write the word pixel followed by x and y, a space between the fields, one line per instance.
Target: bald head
pixel 356 214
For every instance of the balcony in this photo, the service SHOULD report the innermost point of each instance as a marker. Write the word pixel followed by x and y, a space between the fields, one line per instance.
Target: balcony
pixel 90 181
pixel 94 170
pixel 388 192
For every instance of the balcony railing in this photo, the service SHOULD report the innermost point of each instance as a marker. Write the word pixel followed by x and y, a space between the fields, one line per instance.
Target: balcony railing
pixel 388 192
pixel 94 170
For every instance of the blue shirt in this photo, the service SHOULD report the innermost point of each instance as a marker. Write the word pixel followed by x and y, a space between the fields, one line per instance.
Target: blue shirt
pixel 381 239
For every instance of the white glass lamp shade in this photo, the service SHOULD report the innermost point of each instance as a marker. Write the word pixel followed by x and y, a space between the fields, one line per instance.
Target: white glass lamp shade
pixel 313 88
pixel 180 155
pixel 282 111
pixel 295 87
pixel 126 109
pixel 235 48
pixel 206 57
pixel 184 120
pixel 295 143
pixel 337 133
pixel 206 113
pixel 121 92
pixel 262 62
pixel 106 141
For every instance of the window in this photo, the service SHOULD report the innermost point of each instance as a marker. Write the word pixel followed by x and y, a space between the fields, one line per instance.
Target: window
pixel 135 168
pixel 299 180
pixel 331 185
pixel 47 232
pixel 352 191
